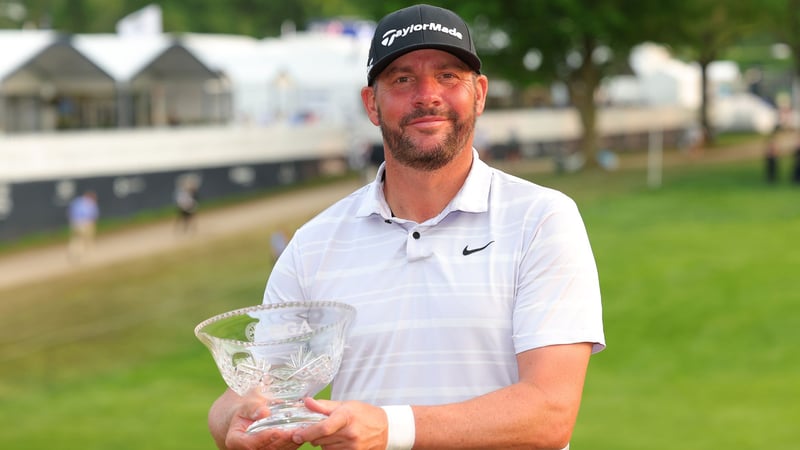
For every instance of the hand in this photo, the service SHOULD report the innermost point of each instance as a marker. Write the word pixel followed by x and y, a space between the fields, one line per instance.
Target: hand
pixel 351 425
pixel 262 440
pixel 231 415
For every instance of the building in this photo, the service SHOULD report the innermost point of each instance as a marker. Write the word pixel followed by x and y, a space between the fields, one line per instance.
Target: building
pixel 50 81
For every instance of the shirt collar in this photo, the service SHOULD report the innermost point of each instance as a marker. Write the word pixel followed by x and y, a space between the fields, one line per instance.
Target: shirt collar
pixel 473 196
pixel 373 201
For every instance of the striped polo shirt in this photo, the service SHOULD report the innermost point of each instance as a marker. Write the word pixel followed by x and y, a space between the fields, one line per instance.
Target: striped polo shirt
pixel 444 306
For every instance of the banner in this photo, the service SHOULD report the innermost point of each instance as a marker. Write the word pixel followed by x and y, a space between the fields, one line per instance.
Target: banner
pixel 144 22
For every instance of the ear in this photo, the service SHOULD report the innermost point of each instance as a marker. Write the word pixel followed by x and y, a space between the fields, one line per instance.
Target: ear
pixel 481 88
pixel 368 99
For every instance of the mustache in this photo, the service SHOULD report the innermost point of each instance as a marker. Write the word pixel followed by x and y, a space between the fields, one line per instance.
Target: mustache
pixel 424 112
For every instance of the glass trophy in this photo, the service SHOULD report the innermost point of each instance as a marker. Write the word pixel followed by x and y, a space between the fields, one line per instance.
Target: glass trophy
pixel 285 351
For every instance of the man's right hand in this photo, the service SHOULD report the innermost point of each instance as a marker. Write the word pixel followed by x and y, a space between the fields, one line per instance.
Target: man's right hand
pixel 229 418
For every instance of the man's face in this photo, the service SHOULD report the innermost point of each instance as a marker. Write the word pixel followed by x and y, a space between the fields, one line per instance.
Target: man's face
pixel 426 103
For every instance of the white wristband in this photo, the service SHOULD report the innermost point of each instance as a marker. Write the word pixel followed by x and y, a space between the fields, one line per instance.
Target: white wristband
pixel 401 428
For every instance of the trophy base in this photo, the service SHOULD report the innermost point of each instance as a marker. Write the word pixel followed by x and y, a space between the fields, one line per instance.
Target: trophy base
pixel 286 416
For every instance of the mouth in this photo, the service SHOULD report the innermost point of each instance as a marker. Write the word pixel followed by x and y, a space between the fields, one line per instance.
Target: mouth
pixel 424 119
pixel 427 122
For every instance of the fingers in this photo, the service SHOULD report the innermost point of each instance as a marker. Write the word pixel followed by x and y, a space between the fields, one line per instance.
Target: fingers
pixel 321 406
pixel 262 440
pixel 266 439
pixel 349 425
pixel 317 433
pixel 248 411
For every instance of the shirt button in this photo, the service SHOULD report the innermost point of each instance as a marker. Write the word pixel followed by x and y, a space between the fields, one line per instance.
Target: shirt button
pixel 415 235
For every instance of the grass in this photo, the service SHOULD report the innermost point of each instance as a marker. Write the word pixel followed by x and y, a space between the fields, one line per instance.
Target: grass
pixel 108 359
pixel 701 313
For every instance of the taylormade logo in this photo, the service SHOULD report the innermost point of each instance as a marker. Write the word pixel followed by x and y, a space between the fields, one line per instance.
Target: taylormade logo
pixel 391 35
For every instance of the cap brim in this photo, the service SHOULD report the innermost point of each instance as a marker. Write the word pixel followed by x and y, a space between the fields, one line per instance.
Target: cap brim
pixel 470 59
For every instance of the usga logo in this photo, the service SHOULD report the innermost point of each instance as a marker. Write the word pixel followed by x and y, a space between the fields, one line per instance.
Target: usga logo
pixel 391 35
pixel 288 330
pixel 294 328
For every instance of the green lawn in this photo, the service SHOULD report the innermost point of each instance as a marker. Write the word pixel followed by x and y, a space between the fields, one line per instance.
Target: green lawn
pixel 701 307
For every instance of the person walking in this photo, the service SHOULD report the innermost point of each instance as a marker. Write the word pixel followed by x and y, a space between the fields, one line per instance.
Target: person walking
pixel 83 213
pixel 186 203
pixel 771 160
pixel 796 164
pixel 477 293
pixel 277 242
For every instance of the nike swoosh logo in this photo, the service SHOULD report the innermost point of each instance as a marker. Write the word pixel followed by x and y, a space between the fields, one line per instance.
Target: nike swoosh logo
pixel 469 251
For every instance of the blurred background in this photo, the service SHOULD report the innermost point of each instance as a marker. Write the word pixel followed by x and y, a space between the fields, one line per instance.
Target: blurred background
pixel 672 123
pixel 129 98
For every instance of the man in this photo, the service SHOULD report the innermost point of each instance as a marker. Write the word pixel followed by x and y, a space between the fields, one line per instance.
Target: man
pixel 83 213
pixel 476 292
pixel 186 202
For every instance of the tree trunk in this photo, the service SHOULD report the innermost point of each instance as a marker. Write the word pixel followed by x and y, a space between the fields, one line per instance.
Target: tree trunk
pixel 582 85
pixel 793 6
pixel 583 99
pixel 705 120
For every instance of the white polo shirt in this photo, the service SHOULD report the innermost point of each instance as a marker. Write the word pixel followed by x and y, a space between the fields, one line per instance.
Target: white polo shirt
pixel 444 306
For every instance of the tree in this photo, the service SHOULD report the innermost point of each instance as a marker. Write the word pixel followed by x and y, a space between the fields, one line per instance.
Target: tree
pixel 574 41
pixel 706 29
pixel 257 18
pixel 782 19
pixel 577 42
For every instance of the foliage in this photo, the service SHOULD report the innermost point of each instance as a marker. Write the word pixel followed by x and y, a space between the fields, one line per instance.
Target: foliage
pixel 706 29
pixel 700 315
pixel 575 42
pixel 782 17
pixel 258 18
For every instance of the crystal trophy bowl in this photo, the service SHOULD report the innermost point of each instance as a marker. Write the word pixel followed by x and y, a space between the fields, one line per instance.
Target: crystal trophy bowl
pixel 283 351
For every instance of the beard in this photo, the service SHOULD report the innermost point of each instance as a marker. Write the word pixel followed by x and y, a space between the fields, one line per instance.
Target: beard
pixel 406 152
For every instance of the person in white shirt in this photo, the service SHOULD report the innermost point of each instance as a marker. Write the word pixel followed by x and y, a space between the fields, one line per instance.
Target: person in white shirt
pixel 477 293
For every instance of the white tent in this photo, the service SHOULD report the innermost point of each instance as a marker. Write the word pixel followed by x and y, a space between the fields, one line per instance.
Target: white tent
pixel 123 58
pixel 295 77
pixel 19 47
pixel 158 80
pixel 662 80
pixel 41 75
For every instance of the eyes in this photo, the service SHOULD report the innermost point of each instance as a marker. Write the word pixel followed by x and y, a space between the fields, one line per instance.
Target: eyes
pixel 445 78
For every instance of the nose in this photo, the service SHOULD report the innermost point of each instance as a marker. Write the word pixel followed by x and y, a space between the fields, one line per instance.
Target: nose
pixel 427 92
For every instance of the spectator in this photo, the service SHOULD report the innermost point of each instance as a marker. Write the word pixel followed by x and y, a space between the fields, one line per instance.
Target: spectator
pixel 83 214
pixel 771 160
pixel 277 243
pixel 186 202
pixel 796 168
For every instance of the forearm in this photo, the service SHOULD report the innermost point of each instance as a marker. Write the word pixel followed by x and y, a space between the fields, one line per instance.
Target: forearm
pixel 519 416
pixel 539 412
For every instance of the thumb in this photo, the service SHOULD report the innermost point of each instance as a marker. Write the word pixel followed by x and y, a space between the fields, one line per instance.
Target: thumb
pixel 321 406
pixel 250 410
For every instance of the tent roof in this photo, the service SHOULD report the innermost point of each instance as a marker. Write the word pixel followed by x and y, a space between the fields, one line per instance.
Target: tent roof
pixel 310 59
pixel 45 54
pixel 127 58
pixel 20 46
